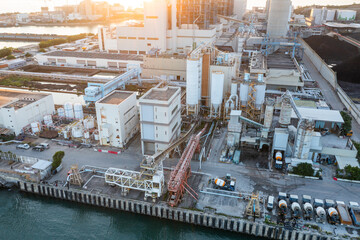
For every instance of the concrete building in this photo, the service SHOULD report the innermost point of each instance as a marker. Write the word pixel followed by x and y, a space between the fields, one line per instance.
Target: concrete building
pixel 165 66
pixel 22 18
pixel 160 118
pixel 278 18
pixel 88 59
pixel 117 118
pixel 240 8
pixel 160 30
pixel 19 109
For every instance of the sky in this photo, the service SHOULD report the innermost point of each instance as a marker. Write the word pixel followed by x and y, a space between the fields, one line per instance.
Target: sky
pixel 35 5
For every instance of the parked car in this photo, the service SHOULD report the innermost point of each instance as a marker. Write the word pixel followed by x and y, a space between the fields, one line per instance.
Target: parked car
pixel 23 146
pixel 45 145
pixel 39 148
pixel 270 203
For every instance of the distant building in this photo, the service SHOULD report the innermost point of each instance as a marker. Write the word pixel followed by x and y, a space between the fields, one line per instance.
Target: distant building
pixel 345 15
pixel 18 109
pixel 278 18
pixel 117 118
pixel 160 118
pixel 22 18
pixel 240 8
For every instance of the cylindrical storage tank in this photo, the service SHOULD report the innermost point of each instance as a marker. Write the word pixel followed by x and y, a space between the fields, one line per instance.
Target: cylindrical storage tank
pixel 78 111
pixel 282 204
pixel 217 88
pixel 77 132
pixel 61 112
pixel 89 123
pixel 219 182
pixel 260 95
pixel 244 94
pixel 96 136
pixel 86 135
pixel 320 211
pixel 48 120
pixel 193 78
pixel 285 113
pixel 69 112
pixel 65 133
pixel 234 89
pixel 35 127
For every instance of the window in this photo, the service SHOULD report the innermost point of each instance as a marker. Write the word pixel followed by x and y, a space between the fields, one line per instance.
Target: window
pixel 152 17
pixel 129 120
pixel 142 52
pixel 173 129
pixel 165 132
pixel 121 37
pixel 174 110
pixel 149 44
pixel 129 110
pixel 152 38
pixel 141 38
pixel 132 38
pixel 165 114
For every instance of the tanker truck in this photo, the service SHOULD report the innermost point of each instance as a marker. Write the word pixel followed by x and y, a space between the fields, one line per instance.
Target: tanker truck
pixel 320 215
pixel 282 208
pixel 227 183
pixel 307 211
pixel 295 210
pixel 332 216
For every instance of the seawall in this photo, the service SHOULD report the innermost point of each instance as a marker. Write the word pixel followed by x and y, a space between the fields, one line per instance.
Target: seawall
pixel 165 212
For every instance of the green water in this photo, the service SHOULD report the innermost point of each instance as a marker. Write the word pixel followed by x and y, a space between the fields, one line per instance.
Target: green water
pixel 25 216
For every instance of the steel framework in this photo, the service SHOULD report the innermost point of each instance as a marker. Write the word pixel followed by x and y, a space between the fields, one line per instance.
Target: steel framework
pixel 178 177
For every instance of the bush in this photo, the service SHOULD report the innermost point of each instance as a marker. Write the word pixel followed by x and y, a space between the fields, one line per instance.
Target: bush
pixel 352 173
pixel 9 57
pixel 304 169
pixel 57 159
pixel 357 146
pixel 42 50
pixel 57 41
pixel 5 52
pixel 347 122
pixel 28 55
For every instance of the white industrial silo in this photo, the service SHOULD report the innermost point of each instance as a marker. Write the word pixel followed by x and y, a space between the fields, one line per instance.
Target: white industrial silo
pixel 77 131
pixel 260 95
pixel 244 94
pixel 302 143
pixel 48 120
pixel 86 134
pixel 35 127
pixel 234 88
pixel 78 111
pixel 217 88
pixel 193 85
pixel 89 123
pixel 61 112
pixel 69 112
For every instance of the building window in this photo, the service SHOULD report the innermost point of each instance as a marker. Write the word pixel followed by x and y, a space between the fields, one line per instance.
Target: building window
pixel 173 129
pixel 129 120
pixel 152 17
pixel 121 37
pixel 165 114
pixel 141 38
pixel 149 44
pixel 152 38
pixel 131 37
pixel 142 52
pixel 165 132
pixel 129 110
pixel 174 110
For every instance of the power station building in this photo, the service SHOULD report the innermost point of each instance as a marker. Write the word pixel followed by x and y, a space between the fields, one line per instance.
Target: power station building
pixel 160 118
pixel 18 109
pixel 117 118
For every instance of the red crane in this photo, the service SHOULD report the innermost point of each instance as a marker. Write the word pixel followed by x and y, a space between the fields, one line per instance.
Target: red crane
pixel 178 178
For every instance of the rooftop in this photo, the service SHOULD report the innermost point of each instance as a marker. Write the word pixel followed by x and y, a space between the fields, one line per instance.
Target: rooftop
pixel 161 94
pixel 41 165
pixel 280 60
pixel 95 55
pixel 116 97
pixel 324 115
pixel 18 99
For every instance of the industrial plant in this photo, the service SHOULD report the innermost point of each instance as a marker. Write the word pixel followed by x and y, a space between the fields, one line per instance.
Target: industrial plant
pixel 205 107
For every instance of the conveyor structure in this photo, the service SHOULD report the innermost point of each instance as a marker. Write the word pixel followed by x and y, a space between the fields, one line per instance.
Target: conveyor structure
pixel 96 91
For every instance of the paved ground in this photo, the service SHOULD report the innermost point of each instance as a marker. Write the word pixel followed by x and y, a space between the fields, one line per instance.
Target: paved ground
pixel 330 95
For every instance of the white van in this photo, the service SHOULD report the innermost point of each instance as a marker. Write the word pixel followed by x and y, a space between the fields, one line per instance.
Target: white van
pixel 45 145
pixel 270 203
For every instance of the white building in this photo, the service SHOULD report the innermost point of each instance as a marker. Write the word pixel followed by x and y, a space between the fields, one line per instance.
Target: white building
pixel 117 118
pixel 160 118
pixel 155 32
pixel 240 8
pixel 278 19
pixel 22 18
pixel 88 59
pixel 19 109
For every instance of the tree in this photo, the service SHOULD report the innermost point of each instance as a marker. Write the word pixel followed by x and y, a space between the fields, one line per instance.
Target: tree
pixel 304 169
pixel 42 50
pixel 5 52
pixel 28 54
pixel 352 173
pixel 347 122
pixel 9 57
pixel 57 159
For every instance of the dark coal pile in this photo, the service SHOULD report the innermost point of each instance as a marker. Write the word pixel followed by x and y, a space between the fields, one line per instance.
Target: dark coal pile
pixel 349 70
pixel 354 35
pixel 332 50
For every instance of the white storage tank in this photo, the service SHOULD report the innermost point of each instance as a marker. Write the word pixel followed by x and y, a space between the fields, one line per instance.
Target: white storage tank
pixel 48 120
pixel 78 111
pixel 89 123
pixel 35 127
pixel 244 94
pixel 69 112
pixel 86 134
pixel 193 81
pixel 260 95
pixel 61 112
pixel 77 132
pixel 234 88
pixel 96 136
pixel 217 88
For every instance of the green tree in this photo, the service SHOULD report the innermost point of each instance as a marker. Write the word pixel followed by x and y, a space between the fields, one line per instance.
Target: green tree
pixel 57 159
pixel 28 54
pixel 347 122
pixel 9 57
pixel 352 173
pixel 304 169
pixel 42 50
pixel 5 52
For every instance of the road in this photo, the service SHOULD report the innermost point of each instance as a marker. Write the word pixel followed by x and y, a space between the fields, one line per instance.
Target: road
pixel 330 95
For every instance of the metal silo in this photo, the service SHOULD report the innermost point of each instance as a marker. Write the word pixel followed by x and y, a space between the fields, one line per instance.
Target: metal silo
pixel 193 84
pixel 69 112
pixel 217 88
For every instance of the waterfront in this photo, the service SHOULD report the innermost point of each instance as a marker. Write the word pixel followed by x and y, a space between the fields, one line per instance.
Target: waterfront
pixel 34 217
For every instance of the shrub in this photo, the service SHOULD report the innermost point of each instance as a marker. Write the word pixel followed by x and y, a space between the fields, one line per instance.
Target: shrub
pixel 57 159
pixel 347 122
pixel 5 52
pixel 9 57
pixel 304 169
pixel 352 173
pixel 42 50
pixel 28 55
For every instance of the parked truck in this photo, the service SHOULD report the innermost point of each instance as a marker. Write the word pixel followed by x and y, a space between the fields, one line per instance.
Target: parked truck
pixel 295 210
pixel 320 215
pixel 332 216
pixel 344 215
pixel 354 210
pixel 307 211
pixel 226 183
pixel 282 208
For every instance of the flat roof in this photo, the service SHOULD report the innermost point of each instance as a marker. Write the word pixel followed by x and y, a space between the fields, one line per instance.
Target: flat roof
pixel 41 165
pixel 19 99
pixel 280 60
pixel 324 115
pixel 342 25
pixel 344 161
pixel 116 97
pixel 95 55
pixel 161 94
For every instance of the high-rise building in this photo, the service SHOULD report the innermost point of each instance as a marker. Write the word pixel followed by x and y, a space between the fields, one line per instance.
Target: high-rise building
pixel 240 8
pixel 278 19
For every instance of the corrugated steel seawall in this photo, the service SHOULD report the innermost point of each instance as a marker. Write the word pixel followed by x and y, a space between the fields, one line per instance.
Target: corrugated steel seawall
pixel 162 211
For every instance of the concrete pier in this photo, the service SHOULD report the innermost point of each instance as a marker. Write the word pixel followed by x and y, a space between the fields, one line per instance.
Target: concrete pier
pixel 164 211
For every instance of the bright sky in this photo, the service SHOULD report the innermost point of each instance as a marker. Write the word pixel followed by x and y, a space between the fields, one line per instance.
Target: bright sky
pixel 25 6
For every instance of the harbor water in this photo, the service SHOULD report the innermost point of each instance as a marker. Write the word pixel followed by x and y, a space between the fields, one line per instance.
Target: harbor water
pixel 27 216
